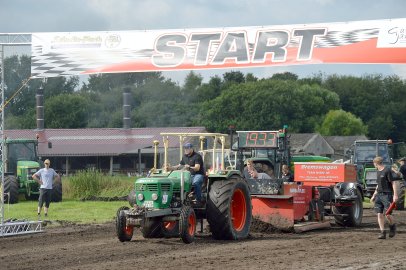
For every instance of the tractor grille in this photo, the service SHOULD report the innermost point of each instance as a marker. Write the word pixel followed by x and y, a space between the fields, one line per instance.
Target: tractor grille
pixel 146 187
pixel 166 187
pixel 176 189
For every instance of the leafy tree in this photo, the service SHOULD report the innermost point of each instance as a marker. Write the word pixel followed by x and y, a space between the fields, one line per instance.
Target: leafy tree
pixel 286 76
pixel 341 123
pixel 233 77
pixel 210 90
pixel 377 100
pixel 66 111
pixel 250 78
pixel 268 104
pixel 192 83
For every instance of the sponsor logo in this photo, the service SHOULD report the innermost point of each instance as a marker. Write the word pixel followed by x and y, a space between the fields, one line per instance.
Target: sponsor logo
pixel 320 167
pixel 392 37
pixel 112 41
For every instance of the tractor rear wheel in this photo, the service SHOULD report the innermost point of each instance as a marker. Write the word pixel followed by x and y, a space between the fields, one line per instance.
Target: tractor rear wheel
pixel 10 189
pixel 57 190
pixel 229 209
pixel 124 232
pixel 187 224
pixel 170 228
pixel 151 228
pixel 350 215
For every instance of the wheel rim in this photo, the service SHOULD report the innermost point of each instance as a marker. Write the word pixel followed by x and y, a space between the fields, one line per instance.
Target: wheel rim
pixel 238 210
pixel 169 225
pixel 191 224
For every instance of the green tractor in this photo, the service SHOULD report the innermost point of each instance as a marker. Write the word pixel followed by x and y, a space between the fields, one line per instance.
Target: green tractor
pixel 163 201
pixel 20 164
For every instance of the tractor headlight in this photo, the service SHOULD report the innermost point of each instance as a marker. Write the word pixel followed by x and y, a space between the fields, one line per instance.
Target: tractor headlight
pixel 154 196
pixel 140 197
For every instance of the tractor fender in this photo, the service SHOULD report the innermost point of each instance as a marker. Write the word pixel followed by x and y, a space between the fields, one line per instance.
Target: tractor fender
pixel 347 191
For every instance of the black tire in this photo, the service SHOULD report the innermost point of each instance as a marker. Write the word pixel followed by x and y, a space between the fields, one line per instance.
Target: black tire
pixel 352 214
pixel 57 190
pixel 131 198
pixel 400 204
pixel 187 224
pixel 316 210
pixel 229 210
pixel 170 229
pixel 124 232
pixel 10 189
pixel 151 228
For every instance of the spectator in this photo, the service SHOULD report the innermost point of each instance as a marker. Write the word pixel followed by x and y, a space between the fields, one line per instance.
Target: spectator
pixel 45 178
pixel 251 172
pixel 286 174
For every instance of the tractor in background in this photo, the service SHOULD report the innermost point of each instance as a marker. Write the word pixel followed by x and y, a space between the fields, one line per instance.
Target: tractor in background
pixel 20 163
pixel 320 187
pixel 164 207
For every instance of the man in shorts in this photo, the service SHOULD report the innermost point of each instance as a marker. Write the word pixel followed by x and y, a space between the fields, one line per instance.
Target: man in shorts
pixel 385 193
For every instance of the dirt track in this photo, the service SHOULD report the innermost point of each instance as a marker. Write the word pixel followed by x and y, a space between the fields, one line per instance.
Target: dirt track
pixel 96 247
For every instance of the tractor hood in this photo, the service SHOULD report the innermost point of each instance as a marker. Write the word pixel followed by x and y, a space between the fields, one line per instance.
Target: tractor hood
pixel 27 164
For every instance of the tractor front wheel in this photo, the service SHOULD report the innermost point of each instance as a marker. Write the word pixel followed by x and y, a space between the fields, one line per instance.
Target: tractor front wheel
pixel 187 224
pixel 124 232
pixel 10 189
pixel 229 209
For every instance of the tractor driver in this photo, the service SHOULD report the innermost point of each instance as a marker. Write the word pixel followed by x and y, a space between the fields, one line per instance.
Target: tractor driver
pixel 194 163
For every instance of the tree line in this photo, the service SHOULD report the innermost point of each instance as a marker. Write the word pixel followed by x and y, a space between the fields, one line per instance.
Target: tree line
pixel 371 105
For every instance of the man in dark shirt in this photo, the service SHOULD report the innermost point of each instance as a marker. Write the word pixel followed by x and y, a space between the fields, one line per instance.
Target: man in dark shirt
pixel 194 163
pixel 386 192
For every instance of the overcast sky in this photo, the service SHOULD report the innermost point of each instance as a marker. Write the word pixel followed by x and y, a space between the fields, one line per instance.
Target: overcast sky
pixel 25 16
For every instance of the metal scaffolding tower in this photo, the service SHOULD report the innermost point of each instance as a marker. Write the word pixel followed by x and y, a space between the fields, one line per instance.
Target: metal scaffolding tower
pixel 8 228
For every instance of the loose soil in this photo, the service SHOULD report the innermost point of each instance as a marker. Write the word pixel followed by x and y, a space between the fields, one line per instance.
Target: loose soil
pixel 70 246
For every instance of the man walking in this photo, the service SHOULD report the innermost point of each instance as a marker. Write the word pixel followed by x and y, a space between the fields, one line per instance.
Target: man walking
pixel 386 192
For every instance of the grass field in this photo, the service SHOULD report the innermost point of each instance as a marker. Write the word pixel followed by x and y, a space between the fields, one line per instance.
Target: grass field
pixel 67 210
pixel 81 212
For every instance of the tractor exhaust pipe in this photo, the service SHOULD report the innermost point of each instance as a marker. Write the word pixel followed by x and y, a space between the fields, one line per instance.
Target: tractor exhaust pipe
pixel 126 108
pixel 40 108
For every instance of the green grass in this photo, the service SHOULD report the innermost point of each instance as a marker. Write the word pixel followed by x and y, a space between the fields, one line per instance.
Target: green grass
pixel 72 209
pixel 68 210
pixel 86 212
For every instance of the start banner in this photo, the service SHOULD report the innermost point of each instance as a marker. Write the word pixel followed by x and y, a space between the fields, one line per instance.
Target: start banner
pixel 75 53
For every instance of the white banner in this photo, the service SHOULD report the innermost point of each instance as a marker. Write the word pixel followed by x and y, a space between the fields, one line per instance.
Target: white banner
pixel 75 53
